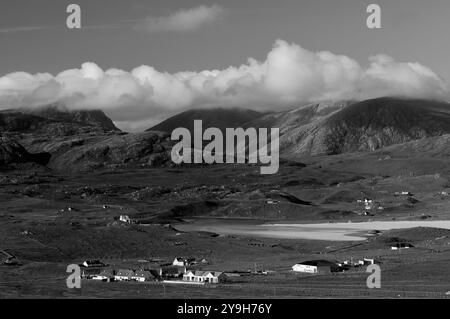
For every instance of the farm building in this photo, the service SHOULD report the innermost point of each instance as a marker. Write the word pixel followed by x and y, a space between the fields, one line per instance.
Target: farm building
pixel 317 267
pixel 205 276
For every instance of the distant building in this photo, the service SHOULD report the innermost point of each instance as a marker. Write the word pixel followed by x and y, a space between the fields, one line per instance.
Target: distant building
pixel 124 275
pixel 92 263
pixel 178 261
pixel 181 262
pixel 212 277
pixel 104 275
pixel 403 193
pixel 125 219
pixel 369 261
pixel 172 271
pixel 368 204
pixel 317 267
pixel 400 246
pixel 90 273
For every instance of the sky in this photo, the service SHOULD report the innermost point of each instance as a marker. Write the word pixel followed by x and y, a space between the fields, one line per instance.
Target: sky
pixel 142 61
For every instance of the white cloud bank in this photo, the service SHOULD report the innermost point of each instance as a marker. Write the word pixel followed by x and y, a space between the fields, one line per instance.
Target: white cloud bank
pixel 290 75
pixel 184 20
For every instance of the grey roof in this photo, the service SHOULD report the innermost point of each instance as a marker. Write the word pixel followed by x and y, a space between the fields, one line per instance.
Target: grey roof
pixel 107 273
pixel 205 273
pixel 142 273
pixel 125 273
pixel 319 263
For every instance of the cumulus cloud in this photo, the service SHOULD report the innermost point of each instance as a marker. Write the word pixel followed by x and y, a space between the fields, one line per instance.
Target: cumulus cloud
pixel 184 20
pixel 289 75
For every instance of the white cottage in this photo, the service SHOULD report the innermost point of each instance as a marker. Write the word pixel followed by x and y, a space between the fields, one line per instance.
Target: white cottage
pixel 180 262
pixel 213 277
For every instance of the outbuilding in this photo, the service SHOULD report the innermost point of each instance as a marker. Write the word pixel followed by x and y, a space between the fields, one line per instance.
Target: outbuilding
pixel 317 267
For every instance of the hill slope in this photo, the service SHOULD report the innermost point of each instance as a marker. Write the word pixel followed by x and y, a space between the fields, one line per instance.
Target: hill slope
pixel 11 152
pixel 344 127
pixel 219 117
pixel 54 121
pixel 373 124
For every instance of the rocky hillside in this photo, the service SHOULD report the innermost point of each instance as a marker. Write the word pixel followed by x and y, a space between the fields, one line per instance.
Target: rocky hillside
pixel 77 154
pixel 11 152
pixel 342 127
pixel 75 141
pixel 55 121
pixel 93 118
pixel 373 124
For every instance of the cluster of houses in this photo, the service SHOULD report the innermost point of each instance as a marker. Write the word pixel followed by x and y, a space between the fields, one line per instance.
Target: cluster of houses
pixel 330 266
pixel 177 272
pixel 96 270
pixel 369 205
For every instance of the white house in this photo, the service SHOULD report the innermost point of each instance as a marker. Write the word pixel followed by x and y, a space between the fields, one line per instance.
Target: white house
pixel 310 269
pixel 213 277
pixel 125 219
pixel 178 261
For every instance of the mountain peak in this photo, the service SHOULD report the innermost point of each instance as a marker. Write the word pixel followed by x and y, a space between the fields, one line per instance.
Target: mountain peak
pixel 216 117
pixel 54 119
